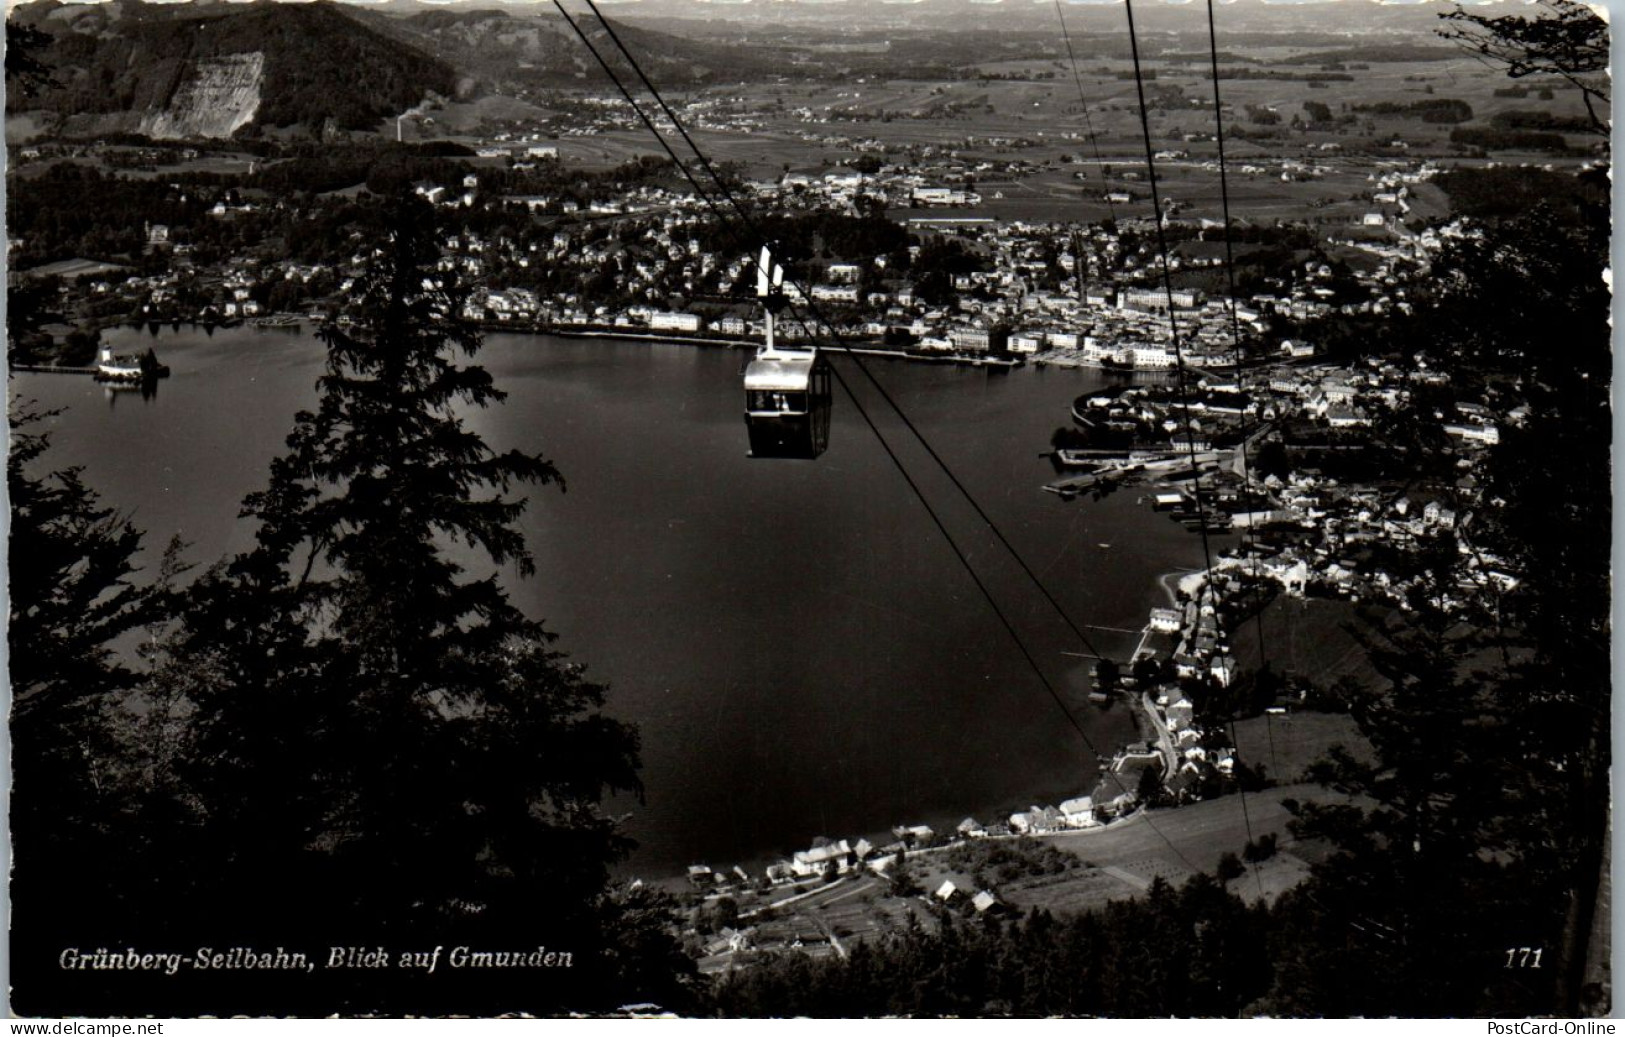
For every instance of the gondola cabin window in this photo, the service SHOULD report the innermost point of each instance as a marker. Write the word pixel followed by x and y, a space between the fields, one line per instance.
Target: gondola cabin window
pixel 787 404
pixel 764 402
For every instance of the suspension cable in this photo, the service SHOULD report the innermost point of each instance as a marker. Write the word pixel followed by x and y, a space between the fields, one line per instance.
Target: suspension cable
pixel 857 359
pixel 1088 124
pixel 1179 360
pixel 1235 340
pixel 896 461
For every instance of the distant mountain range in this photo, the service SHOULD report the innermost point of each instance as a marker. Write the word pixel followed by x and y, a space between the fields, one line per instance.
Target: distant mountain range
pixel 1334 16
pixel 212 69
pixel 504 50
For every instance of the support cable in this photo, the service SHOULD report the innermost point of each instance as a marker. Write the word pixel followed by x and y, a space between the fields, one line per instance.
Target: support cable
pixel 1235 332
pixel 1179 360
pixel 841 343
pixel 1168 289
pixel 891 454
pixel 660 139
pixel 1088 124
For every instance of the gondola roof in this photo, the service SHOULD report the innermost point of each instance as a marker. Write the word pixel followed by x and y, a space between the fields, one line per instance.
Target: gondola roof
pixel 782 373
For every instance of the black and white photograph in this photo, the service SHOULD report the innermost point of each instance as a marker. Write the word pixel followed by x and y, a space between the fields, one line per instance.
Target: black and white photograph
pixel 850 509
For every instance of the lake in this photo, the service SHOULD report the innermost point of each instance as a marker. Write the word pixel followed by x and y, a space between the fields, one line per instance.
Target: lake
pixel 797 644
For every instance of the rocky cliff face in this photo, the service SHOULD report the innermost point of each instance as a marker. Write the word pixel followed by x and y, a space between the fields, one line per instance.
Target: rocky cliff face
pixel 169 70
pixel 218 98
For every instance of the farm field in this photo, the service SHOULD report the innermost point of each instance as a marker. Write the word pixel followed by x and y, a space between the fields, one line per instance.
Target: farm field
pixel 1287 745
pixel 1064 163
pixel 1077 872
pixel 1307 638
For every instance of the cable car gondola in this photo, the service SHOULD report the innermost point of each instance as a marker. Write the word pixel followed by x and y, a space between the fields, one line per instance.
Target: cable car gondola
pixel 787 391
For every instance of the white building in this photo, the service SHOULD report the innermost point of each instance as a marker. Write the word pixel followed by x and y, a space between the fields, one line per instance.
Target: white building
pixel 944 196
pixel 1148 300
pixel 978 340
pixel 1488 434
pixel 808 863
pixel 674 322
pixel 1079 812
pixel 1154 357
pixel 835 292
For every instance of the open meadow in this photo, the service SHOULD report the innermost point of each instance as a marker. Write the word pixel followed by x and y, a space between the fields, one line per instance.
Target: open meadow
pixel 1299 143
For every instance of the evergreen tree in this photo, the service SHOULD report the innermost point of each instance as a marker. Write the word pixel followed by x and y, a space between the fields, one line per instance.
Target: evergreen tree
pixel 27 74
pixel 70 563
pixel 391 752
pixel 1565 38
pixel 1483 824
pixel 72 593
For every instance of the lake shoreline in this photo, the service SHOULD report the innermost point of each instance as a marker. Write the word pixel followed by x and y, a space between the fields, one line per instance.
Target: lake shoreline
pixel 876 625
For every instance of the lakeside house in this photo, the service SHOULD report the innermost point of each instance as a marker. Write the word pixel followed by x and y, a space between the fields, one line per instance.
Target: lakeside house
pixel 816 861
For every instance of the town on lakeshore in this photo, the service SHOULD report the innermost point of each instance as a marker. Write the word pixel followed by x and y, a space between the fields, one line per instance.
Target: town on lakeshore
pixel 1324 299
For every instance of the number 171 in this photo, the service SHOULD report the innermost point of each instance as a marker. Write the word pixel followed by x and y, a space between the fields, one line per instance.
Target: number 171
pixel 1523 957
